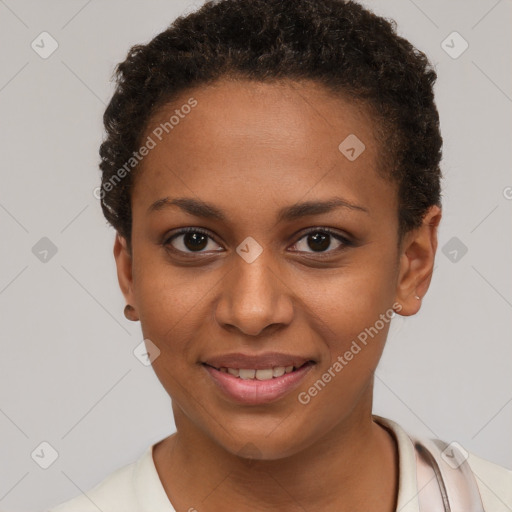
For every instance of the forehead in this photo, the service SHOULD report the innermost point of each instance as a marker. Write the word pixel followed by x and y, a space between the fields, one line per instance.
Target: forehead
pixel 284 139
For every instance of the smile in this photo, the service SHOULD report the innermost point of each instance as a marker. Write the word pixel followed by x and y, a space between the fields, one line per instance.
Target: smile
pixel 263 374
pixel 254 386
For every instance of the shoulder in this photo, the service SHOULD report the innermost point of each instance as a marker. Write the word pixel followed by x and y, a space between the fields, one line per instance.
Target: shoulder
pixel 114 494
pixel 494 483
pixel 132 488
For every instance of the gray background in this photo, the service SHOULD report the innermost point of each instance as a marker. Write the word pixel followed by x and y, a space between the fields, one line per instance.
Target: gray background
pixel 67 372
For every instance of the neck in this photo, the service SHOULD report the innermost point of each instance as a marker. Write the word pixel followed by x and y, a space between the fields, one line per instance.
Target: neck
pixel 353 467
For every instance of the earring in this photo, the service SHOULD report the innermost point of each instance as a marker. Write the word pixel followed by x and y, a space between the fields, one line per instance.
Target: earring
pixel 419 298
pixel 128 312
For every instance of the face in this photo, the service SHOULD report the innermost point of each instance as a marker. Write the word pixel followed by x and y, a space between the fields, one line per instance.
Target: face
pixel 290 257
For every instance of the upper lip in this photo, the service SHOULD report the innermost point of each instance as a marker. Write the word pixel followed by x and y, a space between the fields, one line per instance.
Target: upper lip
pixel 257 362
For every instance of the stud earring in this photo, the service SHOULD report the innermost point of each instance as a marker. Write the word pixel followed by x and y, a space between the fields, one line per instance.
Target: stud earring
pixel 128 312
pixel 419 298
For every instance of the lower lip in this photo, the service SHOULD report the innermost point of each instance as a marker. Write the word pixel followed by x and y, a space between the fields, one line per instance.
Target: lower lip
pixel 255 392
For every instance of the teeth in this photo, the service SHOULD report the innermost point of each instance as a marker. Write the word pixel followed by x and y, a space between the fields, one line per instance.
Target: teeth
pixel 263 374
pixel 247 374
pixel 278 371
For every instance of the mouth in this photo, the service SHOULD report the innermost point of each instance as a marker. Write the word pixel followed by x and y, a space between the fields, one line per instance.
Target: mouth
pixel 250 385
pixel 259 373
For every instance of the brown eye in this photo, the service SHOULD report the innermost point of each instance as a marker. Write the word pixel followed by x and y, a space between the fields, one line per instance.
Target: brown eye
pixel 191 240
pixel 321 241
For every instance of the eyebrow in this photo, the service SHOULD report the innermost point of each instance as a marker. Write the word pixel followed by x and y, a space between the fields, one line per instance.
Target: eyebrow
pixel 206 210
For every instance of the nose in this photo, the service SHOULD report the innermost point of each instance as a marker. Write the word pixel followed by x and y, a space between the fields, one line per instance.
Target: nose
pixel 254 297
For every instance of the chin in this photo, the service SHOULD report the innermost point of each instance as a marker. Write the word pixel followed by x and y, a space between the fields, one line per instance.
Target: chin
pixel 264 442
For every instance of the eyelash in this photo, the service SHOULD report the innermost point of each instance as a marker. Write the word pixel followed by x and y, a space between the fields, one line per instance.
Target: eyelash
pixel 345 241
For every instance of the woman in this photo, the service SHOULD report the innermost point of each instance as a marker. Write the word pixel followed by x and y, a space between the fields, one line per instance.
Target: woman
pixel 272 172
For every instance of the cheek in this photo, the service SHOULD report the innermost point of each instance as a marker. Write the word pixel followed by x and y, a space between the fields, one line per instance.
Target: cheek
pixel 352 298
pixel 351 312
pixel 170 303
pixel 354 342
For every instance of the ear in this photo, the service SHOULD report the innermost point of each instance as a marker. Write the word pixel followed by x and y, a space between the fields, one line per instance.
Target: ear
pixel 417 263
pixel 123 257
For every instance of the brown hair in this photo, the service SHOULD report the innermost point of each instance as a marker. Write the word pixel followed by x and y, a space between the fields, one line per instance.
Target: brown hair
pixel 339 44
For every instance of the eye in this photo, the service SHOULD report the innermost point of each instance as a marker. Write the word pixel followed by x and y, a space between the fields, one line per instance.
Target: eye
pixel 320 240
pixel 196 240
pixel 190 240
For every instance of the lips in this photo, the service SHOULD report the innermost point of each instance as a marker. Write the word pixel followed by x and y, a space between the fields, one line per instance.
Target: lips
pixel 254 380
pixel 260 362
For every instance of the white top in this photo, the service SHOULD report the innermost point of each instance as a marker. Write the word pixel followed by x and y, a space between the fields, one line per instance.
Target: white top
pixel 137 486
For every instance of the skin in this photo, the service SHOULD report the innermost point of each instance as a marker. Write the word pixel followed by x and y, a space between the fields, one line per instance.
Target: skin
pixel 251 149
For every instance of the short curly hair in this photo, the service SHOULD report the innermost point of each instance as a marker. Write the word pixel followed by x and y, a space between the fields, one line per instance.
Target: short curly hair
pixel 339 44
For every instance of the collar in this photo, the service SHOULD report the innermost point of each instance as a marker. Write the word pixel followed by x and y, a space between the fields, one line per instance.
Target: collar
pixel 407 478
pixel 151 495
